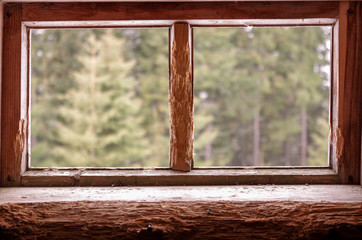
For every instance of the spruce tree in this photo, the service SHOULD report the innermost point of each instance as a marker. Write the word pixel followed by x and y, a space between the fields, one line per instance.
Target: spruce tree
pixel 102 123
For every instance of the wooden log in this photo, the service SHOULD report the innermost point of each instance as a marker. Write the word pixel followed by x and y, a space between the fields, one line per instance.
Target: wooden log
pixel 348 133
pixel 181 98
pixel 181 220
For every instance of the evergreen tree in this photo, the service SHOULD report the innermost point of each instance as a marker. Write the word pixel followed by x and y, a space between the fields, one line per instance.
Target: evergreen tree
pixel 149 48
pixel 53 62
pixel 265 85
pixel 100 96
pixel 102 122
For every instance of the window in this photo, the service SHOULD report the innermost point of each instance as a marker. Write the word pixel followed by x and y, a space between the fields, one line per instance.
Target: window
pixel 99 97
pixel 181 20
pixel 261 95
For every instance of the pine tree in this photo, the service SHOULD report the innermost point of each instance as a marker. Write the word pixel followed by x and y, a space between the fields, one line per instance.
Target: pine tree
pixel 260 97
pixel 102 122
pixel 149 48
pixel 52 51
pixel 264 86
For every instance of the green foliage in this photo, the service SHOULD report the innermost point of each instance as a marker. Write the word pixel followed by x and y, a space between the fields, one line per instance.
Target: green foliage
pixel 102 118
pixel 100 96
pixel 262 76
pixel 106 117
pixel 53 59
pixel 150 50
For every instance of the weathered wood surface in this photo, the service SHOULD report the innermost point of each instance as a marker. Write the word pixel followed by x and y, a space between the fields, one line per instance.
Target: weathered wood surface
pixel 247 193
pixel 178 11
pixel 333 98
pixel 61 1
pixel 1 58
pixel 348 133
pixel 181 220
pixel 181 98
pixel 172 178
pixel 13 119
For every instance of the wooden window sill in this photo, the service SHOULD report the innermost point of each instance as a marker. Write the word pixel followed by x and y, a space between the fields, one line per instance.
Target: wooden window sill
pixel 180 212
pixel 164 177
pixel 244 193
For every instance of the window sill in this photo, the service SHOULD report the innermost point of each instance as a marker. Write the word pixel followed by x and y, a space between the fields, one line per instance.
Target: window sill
pixel 179 212
pixel 162 177
pixel 245 193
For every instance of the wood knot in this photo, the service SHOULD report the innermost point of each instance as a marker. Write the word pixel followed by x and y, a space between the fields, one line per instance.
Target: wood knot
pixel 350 179
pixel 8 14
pixel 10 178
pixel 349 12
pixel 150 234
pixel 149 228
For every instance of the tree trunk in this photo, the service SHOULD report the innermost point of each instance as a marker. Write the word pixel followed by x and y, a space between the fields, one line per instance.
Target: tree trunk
pixel 286 154
pixel 208 147
pixel 256 144
pixel 303 145
pixel 92 92
pixel 237 146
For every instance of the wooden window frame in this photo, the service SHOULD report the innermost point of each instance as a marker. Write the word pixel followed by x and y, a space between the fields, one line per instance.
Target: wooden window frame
pixel 345 101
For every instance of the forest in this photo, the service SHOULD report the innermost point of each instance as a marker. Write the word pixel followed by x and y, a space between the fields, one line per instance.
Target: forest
pixel 99 97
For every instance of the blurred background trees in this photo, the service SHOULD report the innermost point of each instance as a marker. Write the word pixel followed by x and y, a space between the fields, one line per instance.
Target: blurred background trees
pixel 99 97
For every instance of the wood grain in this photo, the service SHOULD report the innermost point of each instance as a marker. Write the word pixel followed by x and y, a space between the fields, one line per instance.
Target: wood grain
pixel 193 23
pixel 242 193
pixel 172 178
pixel 1 64
pixel 181 98
pixel 333 97
pixel 13 121
pixel 178 11
pixel 348 133
pixel 62 1
pixel 181 220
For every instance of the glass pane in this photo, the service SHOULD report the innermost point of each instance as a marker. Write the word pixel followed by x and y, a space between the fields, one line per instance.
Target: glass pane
pixel 261 96
pixel 99 98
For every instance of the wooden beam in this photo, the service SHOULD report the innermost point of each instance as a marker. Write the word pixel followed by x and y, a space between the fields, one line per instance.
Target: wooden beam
pixel 178 11
pixel 1 64
pixel 62 1
pixel 181 98
pixel 181 220
pixel 348 132
pixel 14 116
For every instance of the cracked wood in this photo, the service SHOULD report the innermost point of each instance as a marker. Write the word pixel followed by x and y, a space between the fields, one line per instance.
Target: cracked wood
pixel 181 220
pixel 181 98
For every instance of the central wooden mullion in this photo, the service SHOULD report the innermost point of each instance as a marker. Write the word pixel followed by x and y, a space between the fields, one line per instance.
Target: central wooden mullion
pixel 181 98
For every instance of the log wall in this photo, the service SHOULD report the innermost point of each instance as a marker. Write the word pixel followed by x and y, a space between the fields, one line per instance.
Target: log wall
pixel 181 220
